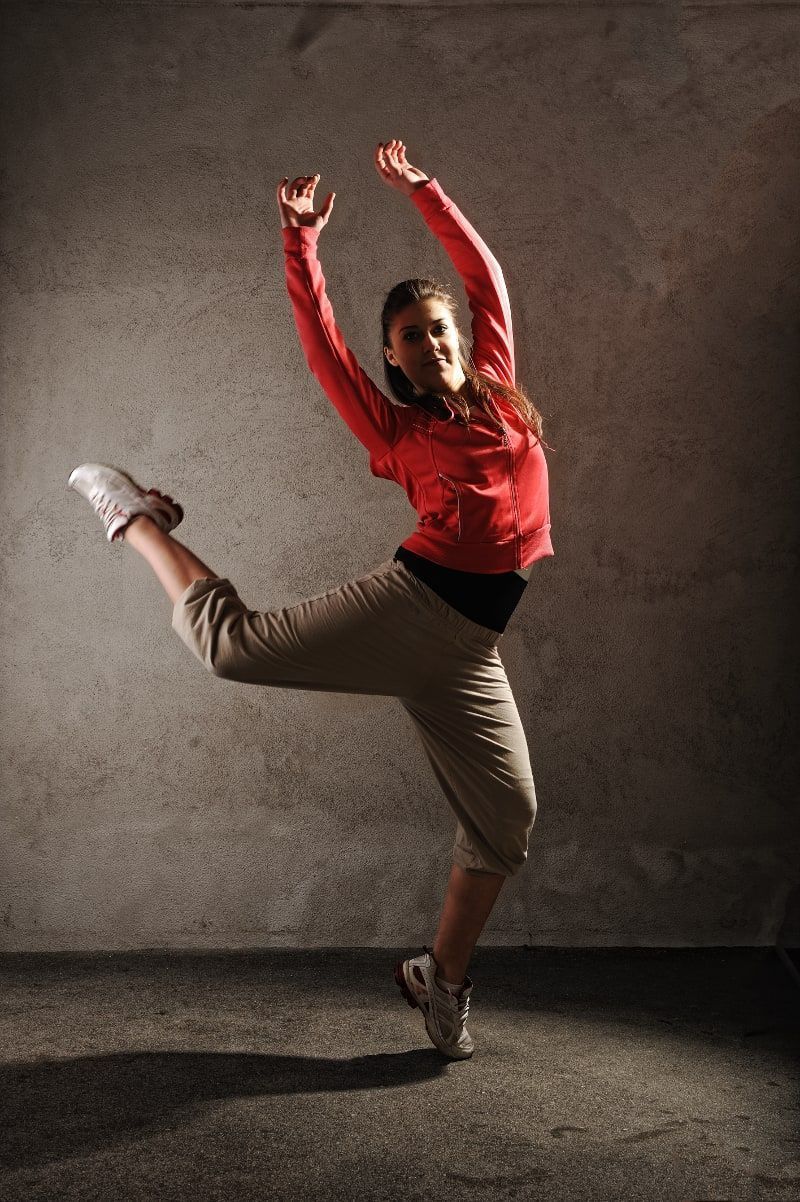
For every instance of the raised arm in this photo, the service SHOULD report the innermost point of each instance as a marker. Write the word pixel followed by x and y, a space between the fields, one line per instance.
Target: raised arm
pixel 371 416
pixel 482 276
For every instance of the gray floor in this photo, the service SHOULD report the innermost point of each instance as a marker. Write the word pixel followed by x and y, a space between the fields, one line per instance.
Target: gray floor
pixel 598 1075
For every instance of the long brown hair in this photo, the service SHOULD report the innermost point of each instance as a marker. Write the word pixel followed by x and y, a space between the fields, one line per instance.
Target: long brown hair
pixel 482 386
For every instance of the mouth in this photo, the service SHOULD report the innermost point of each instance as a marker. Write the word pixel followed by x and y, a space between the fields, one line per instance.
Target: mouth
pixel 431 362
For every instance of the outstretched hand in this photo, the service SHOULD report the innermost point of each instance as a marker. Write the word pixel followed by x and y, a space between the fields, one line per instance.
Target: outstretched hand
pixel 394 169
pixel 296 202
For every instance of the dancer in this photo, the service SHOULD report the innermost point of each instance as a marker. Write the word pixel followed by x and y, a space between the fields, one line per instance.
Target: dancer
pixel 465 443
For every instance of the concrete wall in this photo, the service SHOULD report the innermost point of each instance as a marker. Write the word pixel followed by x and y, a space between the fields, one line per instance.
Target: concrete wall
pixel 635 170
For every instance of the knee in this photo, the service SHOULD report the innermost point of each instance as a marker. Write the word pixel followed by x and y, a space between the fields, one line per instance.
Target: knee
pixel 223 655
pixel 211 626
pixel 215 662
pixel 213 652
pixel 524 819
pixel 499 846
pixel 532 808
pixel 525 810
pixel 223 667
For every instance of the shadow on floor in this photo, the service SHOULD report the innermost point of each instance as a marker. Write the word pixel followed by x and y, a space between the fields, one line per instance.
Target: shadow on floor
pixel 655 1075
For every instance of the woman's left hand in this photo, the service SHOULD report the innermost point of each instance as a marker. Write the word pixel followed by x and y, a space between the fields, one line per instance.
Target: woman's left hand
pixel 395 170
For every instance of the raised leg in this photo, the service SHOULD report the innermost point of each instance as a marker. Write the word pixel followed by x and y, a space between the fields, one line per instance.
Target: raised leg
pixel 174 564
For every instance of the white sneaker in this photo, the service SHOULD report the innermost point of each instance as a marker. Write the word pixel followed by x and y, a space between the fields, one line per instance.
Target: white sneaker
pixel 117 498
pixel 445 1012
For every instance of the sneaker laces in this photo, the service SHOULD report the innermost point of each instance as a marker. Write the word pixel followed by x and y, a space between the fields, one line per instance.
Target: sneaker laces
pixel 103 507
pixel 462 1006
pixel 458 1006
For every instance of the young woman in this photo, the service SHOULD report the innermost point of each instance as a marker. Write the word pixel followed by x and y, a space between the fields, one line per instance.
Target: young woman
pixel 424 626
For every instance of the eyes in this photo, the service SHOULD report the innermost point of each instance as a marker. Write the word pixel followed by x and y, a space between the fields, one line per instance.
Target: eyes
pixel 413 333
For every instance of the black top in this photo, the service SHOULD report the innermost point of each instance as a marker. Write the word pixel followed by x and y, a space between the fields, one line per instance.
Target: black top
pixel 488 598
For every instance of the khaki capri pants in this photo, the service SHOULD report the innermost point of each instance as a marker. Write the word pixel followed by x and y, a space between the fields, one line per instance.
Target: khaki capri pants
pixel 388 634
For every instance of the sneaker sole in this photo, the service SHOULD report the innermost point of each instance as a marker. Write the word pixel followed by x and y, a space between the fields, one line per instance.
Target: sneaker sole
pixel 408 994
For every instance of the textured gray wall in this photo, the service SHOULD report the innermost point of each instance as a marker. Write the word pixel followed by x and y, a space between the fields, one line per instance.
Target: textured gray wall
pixel 635 170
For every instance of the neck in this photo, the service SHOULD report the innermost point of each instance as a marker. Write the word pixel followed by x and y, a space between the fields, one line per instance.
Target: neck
pixel 464 391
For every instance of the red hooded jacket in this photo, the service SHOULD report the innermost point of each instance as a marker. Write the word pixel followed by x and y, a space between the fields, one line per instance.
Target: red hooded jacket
pixel 481 495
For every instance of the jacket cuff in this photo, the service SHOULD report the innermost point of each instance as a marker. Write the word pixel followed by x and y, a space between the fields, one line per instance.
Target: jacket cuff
pixel 299 239
pixel 430 195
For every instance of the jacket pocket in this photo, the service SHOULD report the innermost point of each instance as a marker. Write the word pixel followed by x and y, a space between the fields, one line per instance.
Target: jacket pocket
pixel 481 515
pixel 452 484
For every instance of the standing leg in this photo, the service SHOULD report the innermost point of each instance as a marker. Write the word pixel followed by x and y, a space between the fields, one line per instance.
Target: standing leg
pixel 174 564
pixel 473 737
pixel 468 903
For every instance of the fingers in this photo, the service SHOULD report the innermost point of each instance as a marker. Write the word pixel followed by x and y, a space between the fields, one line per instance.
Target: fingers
pixel 393 151
pixel 304 185
pixel 301 185
pixel 387 152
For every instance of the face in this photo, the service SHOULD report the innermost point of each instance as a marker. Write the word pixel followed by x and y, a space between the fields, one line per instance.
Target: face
pixel 424 340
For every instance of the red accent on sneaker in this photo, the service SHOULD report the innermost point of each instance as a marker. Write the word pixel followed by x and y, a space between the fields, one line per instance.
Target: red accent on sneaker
pixel 407 993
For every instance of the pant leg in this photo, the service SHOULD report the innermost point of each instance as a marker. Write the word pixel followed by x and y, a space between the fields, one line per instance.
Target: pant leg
pixel 369 635
pixel 473 736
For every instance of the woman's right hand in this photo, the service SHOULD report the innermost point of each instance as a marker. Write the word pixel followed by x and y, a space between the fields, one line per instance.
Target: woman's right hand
pixel 296 202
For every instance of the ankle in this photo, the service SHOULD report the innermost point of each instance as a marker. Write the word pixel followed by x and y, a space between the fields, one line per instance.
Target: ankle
pixel 448 974
pixel 450 986
pixel 138 523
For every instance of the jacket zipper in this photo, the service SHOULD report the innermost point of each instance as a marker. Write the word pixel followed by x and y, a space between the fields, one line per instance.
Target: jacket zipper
pixel 514 499
pixel 511 476
pixel 458 500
